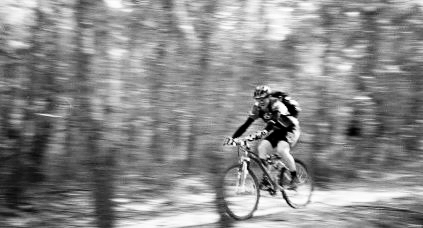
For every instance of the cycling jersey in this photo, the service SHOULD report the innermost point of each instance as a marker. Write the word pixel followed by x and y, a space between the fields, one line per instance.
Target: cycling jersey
pixel 275 111
pixel 276 116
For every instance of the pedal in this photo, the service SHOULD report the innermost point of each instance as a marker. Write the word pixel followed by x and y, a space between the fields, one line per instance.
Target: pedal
pixel 272 192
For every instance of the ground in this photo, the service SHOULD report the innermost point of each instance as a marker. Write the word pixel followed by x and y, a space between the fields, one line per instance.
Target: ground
pixel 373 200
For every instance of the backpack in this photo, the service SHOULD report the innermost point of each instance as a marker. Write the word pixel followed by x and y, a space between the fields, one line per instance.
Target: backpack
pixel 292 105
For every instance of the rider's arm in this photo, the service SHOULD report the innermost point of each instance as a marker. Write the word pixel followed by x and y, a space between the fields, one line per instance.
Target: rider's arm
pixel 252 116
pixel 243 128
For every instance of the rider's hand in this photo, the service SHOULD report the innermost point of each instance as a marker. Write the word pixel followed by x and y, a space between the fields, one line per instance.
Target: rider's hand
pixel 235 142
pixel 229 141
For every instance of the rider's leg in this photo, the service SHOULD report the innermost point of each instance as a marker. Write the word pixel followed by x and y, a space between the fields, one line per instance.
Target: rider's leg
pixel 283 150
pixel 264 148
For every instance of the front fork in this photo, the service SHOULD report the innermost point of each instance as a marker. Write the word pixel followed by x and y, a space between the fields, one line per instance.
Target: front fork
pixel 242 173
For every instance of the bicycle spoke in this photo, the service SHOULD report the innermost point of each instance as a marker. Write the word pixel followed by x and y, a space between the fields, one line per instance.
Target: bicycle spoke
pixel 240 192
pixel 301 195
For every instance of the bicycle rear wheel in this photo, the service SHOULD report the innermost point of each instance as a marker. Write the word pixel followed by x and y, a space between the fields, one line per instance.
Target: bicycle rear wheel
pixel 240 191
pixel 299 197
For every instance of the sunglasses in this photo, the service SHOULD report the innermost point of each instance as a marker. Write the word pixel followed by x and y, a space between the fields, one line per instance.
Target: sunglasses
pixel 261 98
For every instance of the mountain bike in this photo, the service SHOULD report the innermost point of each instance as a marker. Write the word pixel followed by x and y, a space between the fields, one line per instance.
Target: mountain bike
pixel 240 186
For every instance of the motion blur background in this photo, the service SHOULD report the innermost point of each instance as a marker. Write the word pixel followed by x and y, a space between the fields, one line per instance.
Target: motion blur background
pixel 114 101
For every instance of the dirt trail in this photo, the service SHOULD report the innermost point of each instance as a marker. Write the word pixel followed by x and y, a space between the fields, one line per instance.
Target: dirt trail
pixel 388 200
pixel 341 207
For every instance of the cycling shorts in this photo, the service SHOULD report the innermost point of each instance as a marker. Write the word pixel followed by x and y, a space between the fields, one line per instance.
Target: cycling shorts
pixel 291 137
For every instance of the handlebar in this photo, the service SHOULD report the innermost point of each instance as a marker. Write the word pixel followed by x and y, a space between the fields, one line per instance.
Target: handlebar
pixel 241 142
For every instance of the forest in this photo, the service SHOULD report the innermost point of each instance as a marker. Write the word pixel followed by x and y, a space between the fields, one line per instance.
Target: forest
pixel 104 102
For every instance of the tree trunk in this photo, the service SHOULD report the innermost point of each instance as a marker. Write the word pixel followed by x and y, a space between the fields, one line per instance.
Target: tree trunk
pixel 413 129
pixel 367 102
pixel 101 160
pixel 157 114
pixel 12 128
pixel 322 127
pixel 205 30
pixel 260 76
pixel 158 77
pixel 43 86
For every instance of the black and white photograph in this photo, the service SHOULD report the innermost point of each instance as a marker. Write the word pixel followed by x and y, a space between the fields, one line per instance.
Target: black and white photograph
pixel 211 113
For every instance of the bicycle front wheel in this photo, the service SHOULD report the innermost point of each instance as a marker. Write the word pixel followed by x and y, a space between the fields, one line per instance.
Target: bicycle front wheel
pixel 300 196
pixel 240 191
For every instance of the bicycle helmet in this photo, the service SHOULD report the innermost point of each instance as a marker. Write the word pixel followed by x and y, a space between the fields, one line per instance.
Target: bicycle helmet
pixel 262 91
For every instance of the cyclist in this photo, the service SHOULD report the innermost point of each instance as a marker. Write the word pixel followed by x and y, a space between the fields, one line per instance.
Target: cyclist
pixel 284 130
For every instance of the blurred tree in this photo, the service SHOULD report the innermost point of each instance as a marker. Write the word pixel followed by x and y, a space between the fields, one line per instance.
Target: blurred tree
pixel 409 24
pixel 13 114
pixel 323 123
pixel 43 89
pixel 101 159
pixel 367 77
pixel 204 29
pixel 261 51
pixel 158 78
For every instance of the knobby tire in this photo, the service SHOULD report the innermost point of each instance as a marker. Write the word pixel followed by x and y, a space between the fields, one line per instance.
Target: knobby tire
pixel 228 188
pixel 302 196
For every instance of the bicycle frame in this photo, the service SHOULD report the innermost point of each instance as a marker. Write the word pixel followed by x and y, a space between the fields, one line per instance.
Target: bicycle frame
pixel 245 160
pixel 247 188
